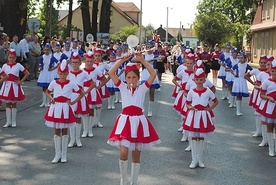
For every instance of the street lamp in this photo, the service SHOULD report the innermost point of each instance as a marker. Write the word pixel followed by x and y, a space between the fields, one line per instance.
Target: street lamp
pixel 167 23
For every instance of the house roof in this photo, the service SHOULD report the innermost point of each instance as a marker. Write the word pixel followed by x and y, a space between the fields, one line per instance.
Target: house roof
pixel 62 14
pixel 128 7
pixel 116 7
pixel 186 32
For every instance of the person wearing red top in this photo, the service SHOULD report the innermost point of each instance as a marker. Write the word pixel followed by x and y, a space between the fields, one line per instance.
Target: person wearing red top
pixel 205 56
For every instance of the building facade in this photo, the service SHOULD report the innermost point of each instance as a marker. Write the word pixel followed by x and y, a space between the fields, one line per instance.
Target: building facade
pixel 264 30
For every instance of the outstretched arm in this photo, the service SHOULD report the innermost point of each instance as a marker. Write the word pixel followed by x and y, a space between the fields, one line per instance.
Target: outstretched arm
pixel 151 71
pixel 112 71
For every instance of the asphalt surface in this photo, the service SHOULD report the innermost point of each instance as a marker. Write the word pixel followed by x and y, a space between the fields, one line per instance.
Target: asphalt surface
pixel 231 154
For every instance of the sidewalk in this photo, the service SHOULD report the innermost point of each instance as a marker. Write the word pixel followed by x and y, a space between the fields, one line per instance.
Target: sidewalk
pixel 33 97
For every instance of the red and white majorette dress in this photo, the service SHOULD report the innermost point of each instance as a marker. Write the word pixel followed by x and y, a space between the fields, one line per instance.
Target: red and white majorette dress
pixel 255 93
pixel 132 129
pixel 103 67
pixel 263 76
pixel 199 123
pixel 60 114
pixel 267 109
pixel 184 75
pixel 94 97
pixel 191 85
pixel 81 108
pixel 11 92
pixel 176 88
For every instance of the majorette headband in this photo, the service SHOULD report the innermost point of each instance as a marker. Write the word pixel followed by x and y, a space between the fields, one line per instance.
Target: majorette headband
pixel 190 56
pixel 47 46
pixel 242 54
pixel 263 57
pixel 98 51
pixel 187 51
pixel 63 67
pixel 12 52
pixel 89 54
pixel 273 64
pixel 199 64
pixel 131 66
pixel 57 44
pixel 199 73
pixel 270 58
pixel 75 55
pixel 113 54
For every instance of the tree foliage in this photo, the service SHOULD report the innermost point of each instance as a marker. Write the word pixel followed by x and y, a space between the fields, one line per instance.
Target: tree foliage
pixel 124 33
pixel 235 11
pixel 212 28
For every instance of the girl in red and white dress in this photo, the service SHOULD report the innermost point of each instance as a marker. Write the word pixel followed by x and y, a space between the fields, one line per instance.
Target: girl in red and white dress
pixel 268 107
pixel 103 67
pixel 191 85
pixel 256 92
pixel 180 68
pixel 198 122
pixel 60 115
pixel 11 91
pixel 81 108
pixel 264 75
pixel 185 75
pixel 132 130
pixel 94 97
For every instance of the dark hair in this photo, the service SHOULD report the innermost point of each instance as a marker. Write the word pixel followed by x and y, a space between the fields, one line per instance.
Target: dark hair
pixel 137 72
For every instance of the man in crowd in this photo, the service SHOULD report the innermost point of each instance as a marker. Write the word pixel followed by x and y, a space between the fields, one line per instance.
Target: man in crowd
pixel 34 54
pixel 15 45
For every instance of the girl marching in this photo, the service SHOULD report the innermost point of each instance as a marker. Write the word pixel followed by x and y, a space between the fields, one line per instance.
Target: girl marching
pixel 198 122
pixel 11 91
pixel 81 108
pixel 132 130
pixel 240 88
pixel 60 115
pixel 46 66
pixel 268 107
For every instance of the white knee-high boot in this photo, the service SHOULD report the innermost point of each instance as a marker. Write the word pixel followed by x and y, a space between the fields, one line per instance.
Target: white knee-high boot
pixel 271 144
pixel 78 131
pixel 194 152
pixel 72 136
pixel 258 126
pixel 184 136
pixel 188 149
pixel 112 101
pixel 90 125
pixel 149 109
pixel 43 100
pixel 57 142
pixel 123 172
pixel 85 120
pixel 264 135
pixel 9 117
pixel 135 168
pixel 231 100
pixel 13 116
pixel 116 97
pixel 64 143
pixel 215 82
pixel 238 113
pixel 200 153
pixel 109 102
pixel 98 112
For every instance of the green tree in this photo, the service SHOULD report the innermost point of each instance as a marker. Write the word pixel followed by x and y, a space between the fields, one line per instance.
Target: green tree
pixel 124 33
pixel 235 10
pixel 149 31
pixel 213 28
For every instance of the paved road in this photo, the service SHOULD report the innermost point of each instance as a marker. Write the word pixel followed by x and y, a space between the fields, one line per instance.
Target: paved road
pixel 231 155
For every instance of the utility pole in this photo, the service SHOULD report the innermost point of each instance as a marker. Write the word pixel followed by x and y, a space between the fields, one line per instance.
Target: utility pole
pixel 140 23
pixel 167 23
